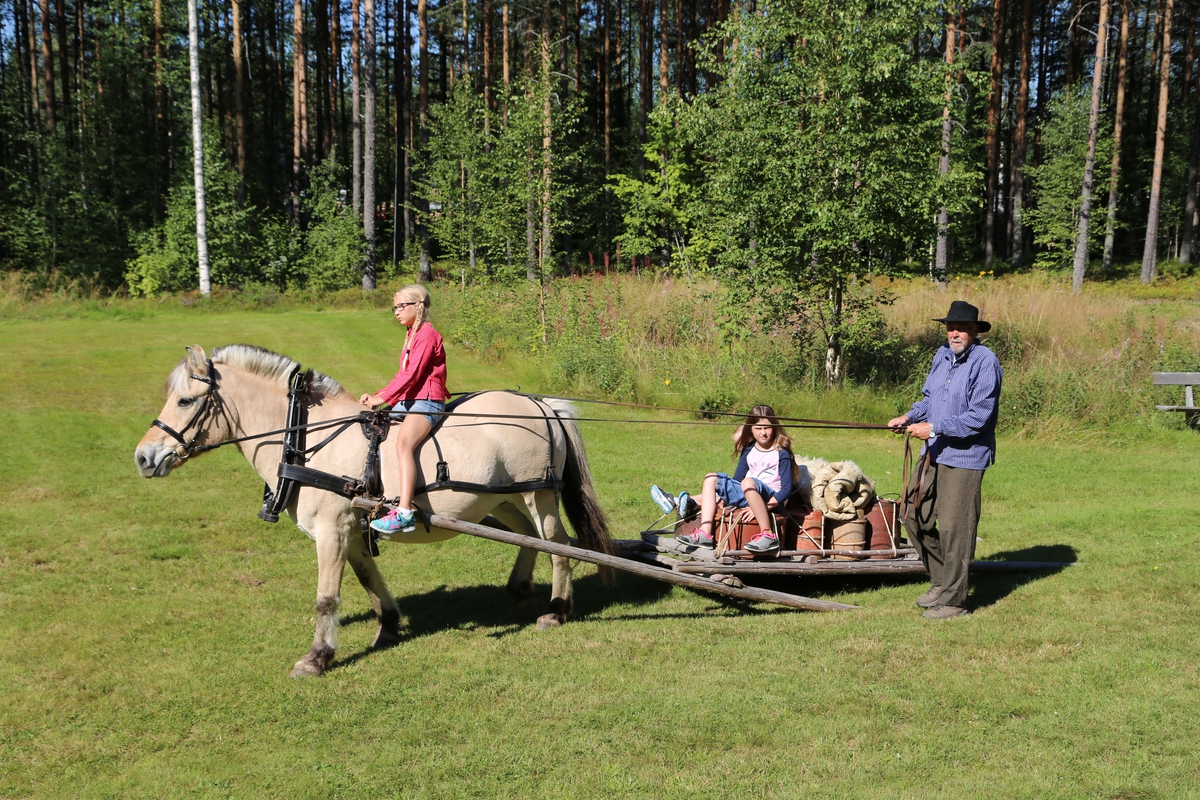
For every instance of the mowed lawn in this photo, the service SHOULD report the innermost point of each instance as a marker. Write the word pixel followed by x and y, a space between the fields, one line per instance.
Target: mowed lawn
pixel 149 626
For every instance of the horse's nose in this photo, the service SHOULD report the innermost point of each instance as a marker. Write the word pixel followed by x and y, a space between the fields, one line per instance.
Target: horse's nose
pixel 143 462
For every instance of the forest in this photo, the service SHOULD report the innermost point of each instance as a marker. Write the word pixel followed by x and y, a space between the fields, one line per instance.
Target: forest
pixel 792 149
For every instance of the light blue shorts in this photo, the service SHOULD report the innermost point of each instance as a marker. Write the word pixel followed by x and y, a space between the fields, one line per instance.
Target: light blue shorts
pixel 430 409
pixel 731 492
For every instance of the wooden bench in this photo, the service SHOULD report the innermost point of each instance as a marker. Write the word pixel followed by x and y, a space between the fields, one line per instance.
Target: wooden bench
pixel 1187 380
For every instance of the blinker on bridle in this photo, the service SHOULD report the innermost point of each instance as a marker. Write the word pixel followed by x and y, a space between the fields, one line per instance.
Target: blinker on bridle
pixel 208 405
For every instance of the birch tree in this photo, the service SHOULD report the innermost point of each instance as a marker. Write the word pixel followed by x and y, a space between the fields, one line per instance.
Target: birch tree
pixel 198 147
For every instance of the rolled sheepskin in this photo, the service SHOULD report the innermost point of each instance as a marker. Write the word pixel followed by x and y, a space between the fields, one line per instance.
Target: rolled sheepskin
pixel 839 489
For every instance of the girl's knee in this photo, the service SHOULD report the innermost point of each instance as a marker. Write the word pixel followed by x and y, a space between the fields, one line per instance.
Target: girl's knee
pixel 748 485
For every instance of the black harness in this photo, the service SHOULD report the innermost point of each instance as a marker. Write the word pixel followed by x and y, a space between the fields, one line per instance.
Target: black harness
pixel 375 425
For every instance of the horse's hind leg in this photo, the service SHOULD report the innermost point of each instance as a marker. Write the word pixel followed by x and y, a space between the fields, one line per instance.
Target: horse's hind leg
pixel 331 562
pixel 520 580
pixel 387 610
pixel 543 507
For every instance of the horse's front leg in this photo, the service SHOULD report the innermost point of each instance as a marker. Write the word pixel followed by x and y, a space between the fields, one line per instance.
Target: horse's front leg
pixel 331 562
pixel 387 610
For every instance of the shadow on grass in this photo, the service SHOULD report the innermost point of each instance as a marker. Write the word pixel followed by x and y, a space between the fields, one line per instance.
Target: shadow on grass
pixel 490 607
pixel 988 587
pixel 992 587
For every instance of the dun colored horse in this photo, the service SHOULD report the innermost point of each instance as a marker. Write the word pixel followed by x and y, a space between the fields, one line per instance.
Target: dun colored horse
pixel 495 439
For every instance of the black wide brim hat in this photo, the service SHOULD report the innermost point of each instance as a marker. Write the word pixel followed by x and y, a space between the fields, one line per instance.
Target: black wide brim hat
pixel 962 311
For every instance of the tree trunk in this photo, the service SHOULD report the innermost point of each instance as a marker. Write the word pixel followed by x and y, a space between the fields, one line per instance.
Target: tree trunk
pixel 546 247
pixel 993 132
pixel 663 70
pixel 942 255
pixel 198 147
pixel 426 272
pixel 48 67
pixel 35 103
pixel 355 109
pixel 368 210
pixel 1118 119
pixel 299 106
pixel 1186 246
pixel 833 336
pixel 337 108
pixel 606 77
pixel 1150 253
pixel 487 73
pixel 1019 137
pixel 64 70
pixel 1089 164
pixel 239 86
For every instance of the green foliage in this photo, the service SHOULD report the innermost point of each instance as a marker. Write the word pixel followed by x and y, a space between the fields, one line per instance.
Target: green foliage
pixel 1058 181
pixel 334 246
pixel 661 206
pixel 586 346
pixel 167 259
pixel 822 144
pixel 485 187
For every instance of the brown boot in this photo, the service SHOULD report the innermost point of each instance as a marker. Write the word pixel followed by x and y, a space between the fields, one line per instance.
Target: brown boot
pixel 930 598
pixel 940 611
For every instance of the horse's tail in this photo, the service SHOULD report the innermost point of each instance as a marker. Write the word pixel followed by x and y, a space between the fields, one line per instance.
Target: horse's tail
pixel 579 492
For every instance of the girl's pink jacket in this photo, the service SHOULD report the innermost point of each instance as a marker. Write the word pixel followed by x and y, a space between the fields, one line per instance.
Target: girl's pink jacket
pixel 425 376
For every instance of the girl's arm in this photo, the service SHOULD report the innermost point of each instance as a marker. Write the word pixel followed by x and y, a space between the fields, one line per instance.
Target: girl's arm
pixel 743 466
pixel 419 356
pixel 785 478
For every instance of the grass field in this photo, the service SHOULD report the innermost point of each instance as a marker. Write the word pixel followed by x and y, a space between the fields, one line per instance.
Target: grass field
pixel 150 625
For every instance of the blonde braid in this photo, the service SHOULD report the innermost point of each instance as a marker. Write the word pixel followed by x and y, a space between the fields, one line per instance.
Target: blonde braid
pixel 414 292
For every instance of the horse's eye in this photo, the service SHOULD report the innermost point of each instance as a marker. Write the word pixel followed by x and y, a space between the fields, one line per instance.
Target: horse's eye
pixel 186 402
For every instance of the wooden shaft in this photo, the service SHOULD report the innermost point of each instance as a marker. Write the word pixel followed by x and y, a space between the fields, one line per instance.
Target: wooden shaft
pixel 855 567
pixel 645 570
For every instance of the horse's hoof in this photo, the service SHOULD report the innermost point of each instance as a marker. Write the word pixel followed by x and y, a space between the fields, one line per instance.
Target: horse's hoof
pixel 385 638
pixel 548 621
pixel 306 669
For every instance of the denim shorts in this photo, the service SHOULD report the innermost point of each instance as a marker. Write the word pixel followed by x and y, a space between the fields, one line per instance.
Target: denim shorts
pixel 430 409
pixel 731 492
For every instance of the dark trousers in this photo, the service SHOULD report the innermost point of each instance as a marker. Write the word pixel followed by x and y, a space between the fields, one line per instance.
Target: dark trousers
pixel 943 525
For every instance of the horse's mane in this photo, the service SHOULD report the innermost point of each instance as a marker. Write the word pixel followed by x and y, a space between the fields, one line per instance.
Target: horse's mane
pixel 259 361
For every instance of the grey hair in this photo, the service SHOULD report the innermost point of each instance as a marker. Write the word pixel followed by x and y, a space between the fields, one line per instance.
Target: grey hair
pixel 258 361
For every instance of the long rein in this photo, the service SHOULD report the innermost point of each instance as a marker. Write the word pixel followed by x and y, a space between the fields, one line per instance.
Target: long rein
pixel 212 401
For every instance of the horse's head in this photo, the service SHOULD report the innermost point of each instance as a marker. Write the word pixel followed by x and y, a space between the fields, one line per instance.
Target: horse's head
pixel 187 421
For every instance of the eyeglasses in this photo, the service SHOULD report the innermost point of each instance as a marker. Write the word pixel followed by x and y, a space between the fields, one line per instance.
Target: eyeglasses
pixel 402 306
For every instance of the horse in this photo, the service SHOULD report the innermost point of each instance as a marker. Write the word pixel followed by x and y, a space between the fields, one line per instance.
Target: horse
pixel 490 440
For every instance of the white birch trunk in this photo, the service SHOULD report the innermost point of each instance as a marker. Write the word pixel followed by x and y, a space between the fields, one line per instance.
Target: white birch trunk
pixel 198 149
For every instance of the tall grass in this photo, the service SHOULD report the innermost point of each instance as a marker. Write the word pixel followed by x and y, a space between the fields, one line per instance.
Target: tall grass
pixel 1073 363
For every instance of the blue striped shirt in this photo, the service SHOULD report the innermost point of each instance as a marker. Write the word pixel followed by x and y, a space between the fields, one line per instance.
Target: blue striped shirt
pixel 962 402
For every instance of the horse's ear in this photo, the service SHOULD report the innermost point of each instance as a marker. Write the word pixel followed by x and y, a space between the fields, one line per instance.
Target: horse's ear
pixel 197 361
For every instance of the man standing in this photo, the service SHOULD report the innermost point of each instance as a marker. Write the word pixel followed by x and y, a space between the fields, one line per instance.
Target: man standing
pixel 956 417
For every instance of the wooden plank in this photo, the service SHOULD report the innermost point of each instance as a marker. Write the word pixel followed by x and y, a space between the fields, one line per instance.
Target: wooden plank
pixel 1176 378
pixel 626 565
pixel 857 567
pixel 1178 408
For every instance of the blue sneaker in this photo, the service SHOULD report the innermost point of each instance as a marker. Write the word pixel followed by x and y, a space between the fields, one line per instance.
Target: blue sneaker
pixel 681 504
pixel 396 522
pixel 665 501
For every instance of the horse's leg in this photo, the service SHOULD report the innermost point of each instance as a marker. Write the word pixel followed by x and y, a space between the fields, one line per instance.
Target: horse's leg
pixel 520 580
pixel 387 610
pixel 331 562
pixel 543 508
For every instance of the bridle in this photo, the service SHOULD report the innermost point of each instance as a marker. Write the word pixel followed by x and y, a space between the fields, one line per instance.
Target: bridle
pixel 210 407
